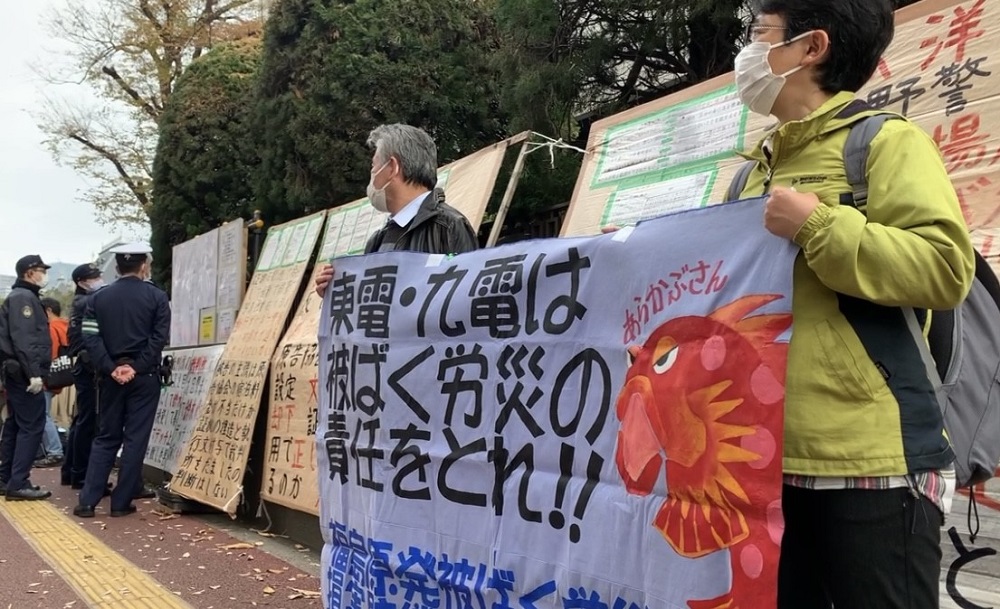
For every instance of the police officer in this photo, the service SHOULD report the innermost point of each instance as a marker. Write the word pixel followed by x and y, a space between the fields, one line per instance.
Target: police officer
pixel 125 327
pixel 26 354
pixel 87 278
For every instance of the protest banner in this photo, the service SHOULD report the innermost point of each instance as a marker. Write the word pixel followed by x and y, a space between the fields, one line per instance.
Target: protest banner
pixel 181 404
pixel 484 442
pixel 212 463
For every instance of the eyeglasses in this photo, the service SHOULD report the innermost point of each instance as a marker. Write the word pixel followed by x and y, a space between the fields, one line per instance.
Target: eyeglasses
pixel 756 30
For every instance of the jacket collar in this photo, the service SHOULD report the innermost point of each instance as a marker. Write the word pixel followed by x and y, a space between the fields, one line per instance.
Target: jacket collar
pixel 20 283
pixel 429 208
pixel 797 134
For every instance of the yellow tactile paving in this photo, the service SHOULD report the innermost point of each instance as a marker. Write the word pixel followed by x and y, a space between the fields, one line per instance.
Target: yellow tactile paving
pixel 103 578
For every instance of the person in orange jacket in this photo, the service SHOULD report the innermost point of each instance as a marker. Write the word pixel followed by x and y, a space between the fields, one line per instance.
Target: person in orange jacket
pixel 51 448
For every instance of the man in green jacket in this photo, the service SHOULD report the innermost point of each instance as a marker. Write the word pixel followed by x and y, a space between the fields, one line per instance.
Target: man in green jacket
pixel 866 460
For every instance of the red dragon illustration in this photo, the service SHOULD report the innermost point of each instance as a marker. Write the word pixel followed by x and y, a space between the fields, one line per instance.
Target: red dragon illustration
pixel 704 395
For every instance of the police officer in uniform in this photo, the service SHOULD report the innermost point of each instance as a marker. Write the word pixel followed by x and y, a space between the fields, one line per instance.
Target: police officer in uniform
pixel 26 354
pixel 125 328
pixel 87 278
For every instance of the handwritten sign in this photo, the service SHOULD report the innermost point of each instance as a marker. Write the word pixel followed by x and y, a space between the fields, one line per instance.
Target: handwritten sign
pixel 290 477
pixel 938 73
pixel 483 435
pixel 213 462
pixel 290 465
pixel 181 404
pixel 231 277
pixel 208 271
pixel 193 279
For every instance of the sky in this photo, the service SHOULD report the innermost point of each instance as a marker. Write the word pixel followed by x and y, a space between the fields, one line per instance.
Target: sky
pixel 40 209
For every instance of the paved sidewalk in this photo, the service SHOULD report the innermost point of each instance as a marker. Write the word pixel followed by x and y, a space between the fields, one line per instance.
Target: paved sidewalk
pixel 150 559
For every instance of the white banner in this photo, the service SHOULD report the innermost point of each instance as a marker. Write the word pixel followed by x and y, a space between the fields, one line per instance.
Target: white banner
pixel 484 442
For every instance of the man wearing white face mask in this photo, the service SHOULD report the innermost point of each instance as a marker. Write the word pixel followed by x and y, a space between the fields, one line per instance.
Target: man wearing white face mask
pixel 403 177
pixel 25 356
pixel 866 460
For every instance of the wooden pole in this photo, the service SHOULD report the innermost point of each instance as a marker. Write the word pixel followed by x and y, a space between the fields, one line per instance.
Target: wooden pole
pixel 508 195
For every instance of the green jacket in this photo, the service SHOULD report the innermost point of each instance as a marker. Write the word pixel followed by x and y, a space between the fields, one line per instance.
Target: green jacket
pixel 858 399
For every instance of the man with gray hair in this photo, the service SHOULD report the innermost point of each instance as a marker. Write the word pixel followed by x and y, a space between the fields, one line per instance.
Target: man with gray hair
pixel 403 177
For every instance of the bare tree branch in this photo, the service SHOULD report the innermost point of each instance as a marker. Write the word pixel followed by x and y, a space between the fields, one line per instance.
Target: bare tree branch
pixel 144 105
pixel 129 53
pixel 123 173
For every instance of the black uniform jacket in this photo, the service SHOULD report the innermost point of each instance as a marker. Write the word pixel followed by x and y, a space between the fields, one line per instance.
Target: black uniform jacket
pixel 24 331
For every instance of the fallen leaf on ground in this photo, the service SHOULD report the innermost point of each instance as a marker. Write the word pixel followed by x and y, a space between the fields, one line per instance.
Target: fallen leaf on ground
pixel 269 590
pixel 307 593
pixel 238 546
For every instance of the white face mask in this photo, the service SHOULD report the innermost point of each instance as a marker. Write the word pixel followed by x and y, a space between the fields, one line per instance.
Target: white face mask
pixel 43 280
pixel 94 285
pixel 377 195
pixel 758 86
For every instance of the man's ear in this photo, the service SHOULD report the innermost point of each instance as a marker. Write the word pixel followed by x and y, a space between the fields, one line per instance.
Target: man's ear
pixel 819 48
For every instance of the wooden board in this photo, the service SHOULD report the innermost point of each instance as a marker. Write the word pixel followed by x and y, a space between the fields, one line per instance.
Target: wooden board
pixel 213 462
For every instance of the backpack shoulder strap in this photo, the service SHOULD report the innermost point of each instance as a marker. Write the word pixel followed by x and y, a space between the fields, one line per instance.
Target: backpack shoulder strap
pixel 856 150
pixel 739 181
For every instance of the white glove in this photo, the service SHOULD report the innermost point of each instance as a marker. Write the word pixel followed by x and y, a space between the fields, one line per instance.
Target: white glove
pixel 35 385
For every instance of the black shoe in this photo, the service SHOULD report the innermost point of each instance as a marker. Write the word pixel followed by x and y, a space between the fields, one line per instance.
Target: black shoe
pixel 84 511
pixel 126 512
pixel 3 488
pixel 28 494
pixel 146 493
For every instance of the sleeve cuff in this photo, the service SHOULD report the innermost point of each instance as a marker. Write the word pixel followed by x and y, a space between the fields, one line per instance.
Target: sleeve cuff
pixel 818 220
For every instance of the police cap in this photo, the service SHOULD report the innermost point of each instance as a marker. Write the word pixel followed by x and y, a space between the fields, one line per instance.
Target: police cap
pixel 85 272
pixel 27 263
pixel 129 251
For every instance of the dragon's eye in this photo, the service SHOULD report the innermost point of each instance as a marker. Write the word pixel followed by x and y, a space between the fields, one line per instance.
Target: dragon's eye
pixel 666 361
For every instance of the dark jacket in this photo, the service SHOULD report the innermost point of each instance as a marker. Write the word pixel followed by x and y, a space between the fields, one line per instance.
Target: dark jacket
pixel 438 228
pixel 126 322
pixel 24 331
pixel 76 347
